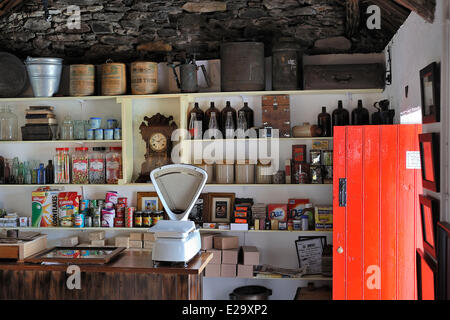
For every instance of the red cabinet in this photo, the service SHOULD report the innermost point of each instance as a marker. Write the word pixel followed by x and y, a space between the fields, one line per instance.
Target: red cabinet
pixel 376 212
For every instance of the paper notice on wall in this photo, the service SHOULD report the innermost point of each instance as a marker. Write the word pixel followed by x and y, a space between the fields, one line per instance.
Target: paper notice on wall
pixel 413 160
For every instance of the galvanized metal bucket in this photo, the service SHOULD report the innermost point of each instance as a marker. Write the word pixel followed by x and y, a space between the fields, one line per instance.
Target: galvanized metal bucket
pixel 44 75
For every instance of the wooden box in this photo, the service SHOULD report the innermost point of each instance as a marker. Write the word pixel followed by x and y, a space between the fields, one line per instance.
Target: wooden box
pixel 276 113
pixel 345 76
pixel 23 249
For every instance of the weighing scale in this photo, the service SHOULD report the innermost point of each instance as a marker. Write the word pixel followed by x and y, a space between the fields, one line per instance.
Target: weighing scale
pixel 178 187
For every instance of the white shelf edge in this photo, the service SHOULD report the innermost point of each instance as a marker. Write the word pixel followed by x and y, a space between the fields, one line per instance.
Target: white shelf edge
pixel 135 185
pixel 63 142
pixel 260 139
pixel 73 229
pixel 270 231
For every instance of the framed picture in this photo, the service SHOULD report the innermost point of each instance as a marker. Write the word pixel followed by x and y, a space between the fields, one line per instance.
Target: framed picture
pixel 443 254
pixel 431 93
pixel 197 213
pixel 429 212
pixel 429 158
pixel 148 201
pixel 220 207
pixel 426 276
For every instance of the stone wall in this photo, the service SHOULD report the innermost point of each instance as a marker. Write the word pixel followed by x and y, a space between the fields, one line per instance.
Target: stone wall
pixel 114 29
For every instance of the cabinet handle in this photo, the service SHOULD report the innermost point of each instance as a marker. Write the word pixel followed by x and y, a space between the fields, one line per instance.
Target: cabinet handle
pixel 340 250
pixel 342 192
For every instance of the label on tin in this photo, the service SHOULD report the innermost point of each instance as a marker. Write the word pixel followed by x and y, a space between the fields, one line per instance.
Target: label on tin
pixel 413 160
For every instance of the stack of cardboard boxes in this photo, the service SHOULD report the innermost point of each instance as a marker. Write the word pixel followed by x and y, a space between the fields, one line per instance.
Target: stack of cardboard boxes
pixel 228 261
pixel 138 240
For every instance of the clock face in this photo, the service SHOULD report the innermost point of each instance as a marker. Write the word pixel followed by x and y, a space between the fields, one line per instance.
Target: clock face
pixel 158 142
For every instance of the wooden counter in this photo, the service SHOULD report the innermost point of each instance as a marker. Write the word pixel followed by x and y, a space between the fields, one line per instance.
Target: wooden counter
pixel 131 276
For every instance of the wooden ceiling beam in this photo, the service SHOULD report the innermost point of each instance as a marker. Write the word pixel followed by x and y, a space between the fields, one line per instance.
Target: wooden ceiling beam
pixel 424 8
pixel 353 17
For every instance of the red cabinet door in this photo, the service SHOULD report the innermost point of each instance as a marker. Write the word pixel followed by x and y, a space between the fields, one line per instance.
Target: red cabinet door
pixel 376 212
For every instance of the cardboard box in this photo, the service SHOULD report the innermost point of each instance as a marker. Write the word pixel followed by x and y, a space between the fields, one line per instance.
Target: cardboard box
pixel 135 243
pixel 134 236
pixel 228 270
pixel 324 218
pixel 217 256
pixel 212 270
pixel 278 212
pixel 122 242
pixel 295 207
pixel 239 226
pixel 97 235
pixel 244 271
pixel 69 242
pixel 44 208
pixel 299 153
pixel 250 255
pixel 98 243
pixel 147 244
pixel 149 236
pixel 226 242
pixel 207 241
pixel 230 256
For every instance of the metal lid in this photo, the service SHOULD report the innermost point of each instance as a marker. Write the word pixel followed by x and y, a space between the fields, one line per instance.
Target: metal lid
pixel 31 60
pixel 178 187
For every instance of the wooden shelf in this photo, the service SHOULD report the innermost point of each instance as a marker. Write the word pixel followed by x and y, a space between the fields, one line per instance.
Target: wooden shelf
pixel 63 142
pixel 134 185
pixel 260 139
pixel 271 231
pixel 73 229
pixel 305 278
pixel 197 95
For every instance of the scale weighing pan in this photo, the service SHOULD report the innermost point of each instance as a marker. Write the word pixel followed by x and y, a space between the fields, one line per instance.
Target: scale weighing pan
pixel 178 187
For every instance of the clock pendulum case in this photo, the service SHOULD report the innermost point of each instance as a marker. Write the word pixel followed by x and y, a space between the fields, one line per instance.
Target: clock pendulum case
pixel 157 135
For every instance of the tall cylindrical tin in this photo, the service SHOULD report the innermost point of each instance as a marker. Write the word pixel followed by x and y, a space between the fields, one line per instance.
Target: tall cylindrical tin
pixel 114 79
pixel 82 80
pixel 285 65
pixel 242 66
pixel 144 77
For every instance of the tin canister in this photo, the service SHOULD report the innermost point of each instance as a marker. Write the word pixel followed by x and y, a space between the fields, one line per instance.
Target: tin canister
pixel 120 210
pixel 108 216
pixel 98 134
pixel 87 221
pixel 144 77
pixel 111 196
pixel 90 134
pixel 297 225
pixel 117 134
pixel 316 157
pixel 100 203
pixel 79 220
pixel 129 218
pixel 327 157
pixel 122 200
pixel 84 206
pixel 109 134
pixel 96 221
pixel 114 79
pixel 119 222
pixel 82 80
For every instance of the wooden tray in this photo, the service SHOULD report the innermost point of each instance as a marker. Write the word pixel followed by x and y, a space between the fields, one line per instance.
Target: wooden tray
pixel 23 249
pixel 104 259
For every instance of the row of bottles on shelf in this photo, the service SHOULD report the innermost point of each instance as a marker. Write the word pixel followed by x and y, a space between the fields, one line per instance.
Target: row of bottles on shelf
pixel 225 123
pixel 360 116
pixel 79 167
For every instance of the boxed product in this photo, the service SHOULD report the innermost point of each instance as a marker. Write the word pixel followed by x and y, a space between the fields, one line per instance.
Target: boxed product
pixel 238 226
pixel 217 256
pixel 122 242
pixel 278 212
pixel 136 236
pixel 244 271
pixel 207 241
pixel 324 218
pixel 320 145
pixel 230 256
pixel 228 270
pixel 98 243
pixel 69 242
pixel 212 271
pixel 97 235
pixel 299 153
pixel 136 244
pixel 249 256
pixel 23 222
pixel 288 171
pixel 147 244
pixel 209 225
pixel 68 205
pixel 295 207
pixel 44 208
pixel 149 236
pixel 226 242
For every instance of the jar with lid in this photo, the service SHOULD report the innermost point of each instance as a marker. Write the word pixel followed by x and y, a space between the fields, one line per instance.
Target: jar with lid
pixel 97 165
pixel 309 213
pixel 79 130
pixel 67 129
pixel 138 219
pixel 80 166
pixel 8 124
pixel 61 164
pixel 245 171
pixel 114 165
pixel 225 173
pixel 264 172
pixel 146 219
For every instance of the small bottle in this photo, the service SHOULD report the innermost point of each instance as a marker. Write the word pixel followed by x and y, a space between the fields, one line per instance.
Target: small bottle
pixel 208 113
pixel 249 115
pixel 200 117
pixel 20 177
pixel 15 171
pixel 224 115
pixel 192 130
pixel 229 126
pixel 49 173
pixel 242 125
pixel 324 122
pixel 305 223
pixel 41 174
pixel 340 117
pixel 213 127
pixel 360 115
pixel 26 172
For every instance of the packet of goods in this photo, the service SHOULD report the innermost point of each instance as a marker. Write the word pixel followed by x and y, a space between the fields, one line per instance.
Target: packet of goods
pixel 108 216
pixel 324 218
pixel 68 203
pixel 44 208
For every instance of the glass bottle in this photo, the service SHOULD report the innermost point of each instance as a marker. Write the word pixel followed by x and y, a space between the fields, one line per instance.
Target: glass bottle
pixel 341 116
pixel 27 173
pixel 213 127
pixel 249 115
pixel 79 130
pixel 9 127
pixel 67 129
pixel 20 176
pixel 324 122
pixel 229 126
pixel 208 113
pixel 33 172
pixel 49 173
pixel 192 129
pixel 2 170
pixel 200 117
pixel 360 115
pixel 15 171
pixel 224 116
pixel 41 174
pixel 242 125
pixel 7 171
